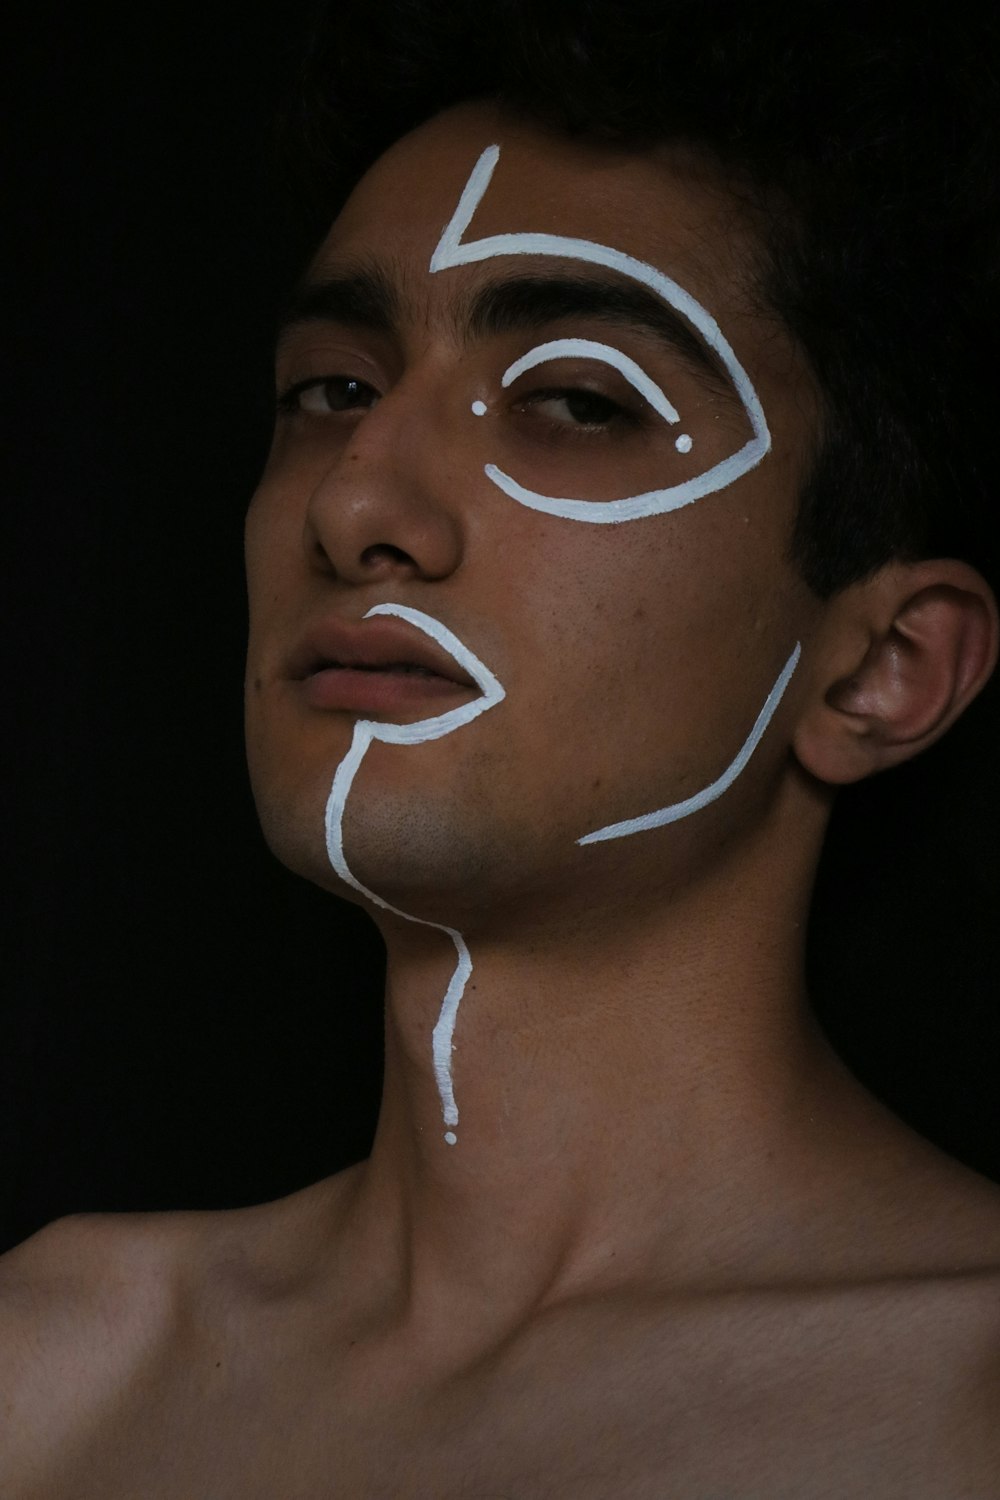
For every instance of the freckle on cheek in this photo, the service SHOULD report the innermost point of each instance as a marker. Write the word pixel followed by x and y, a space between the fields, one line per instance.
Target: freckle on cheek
pixel 257 684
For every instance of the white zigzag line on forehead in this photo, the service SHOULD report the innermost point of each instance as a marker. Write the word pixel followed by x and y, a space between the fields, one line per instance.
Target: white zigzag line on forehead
pixel 451 252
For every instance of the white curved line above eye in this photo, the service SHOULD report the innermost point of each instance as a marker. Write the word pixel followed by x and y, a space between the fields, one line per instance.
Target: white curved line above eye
pixel 451 251
pixel 608 355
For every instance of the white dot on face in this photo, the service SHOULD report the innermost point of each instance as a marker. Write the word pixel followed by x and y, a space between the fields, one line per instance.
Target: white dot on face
pixel 479 407
pixel 684 443
pixel 451 1138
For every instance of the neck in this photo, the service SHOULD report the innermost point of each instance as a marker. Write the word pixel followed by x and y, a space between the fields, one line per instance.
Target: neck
pixel 641 1097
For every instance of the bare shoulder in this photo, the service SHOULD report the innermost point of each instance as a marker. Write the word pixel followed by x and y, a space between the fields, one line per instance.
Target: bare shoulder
pixel 79 1302
pixel 113 1326
pixel 76 1279
pixel 87 1292
pixel 93 1307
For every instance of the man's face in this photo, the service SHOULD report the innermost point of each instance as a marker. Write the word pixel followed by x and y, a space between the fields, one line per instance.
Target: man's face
pixel 634 654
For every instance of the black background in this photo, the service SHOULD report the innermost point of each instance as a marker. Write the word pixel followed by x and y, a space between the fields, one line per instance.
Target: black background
pixel 186 1024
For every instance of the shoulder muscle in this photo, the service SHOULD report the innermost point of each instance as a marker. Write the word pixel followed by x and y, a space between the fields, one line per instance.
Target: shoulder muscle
pixel 80 1303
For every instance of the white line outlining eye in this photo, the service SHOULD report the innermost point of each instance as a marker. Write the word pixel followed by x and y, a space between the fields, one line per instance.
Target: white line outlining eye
pixel 608 355
pixel 452 250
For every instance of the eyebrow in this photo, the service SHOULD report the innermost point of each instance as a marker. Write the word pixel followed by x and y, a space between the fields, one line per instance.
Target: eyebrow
pixel 362 297
pixel 366 297
pixel 527 303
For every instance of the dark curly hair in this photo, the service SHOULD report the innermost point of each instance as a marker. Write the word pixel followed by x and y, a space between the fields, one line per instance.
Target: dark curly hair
pixel 862 134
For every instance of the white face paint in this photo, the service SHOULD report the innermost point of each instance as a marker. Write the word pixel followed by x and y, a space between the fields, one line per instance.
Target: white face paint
pixel 451 252
pixel 589 510
pixel 367 730
pixel 678 810
pixel 591 349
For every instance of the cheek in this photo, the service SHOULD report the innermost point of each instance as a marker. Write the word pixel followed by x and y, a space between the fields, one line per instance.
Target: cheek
pixel 644 645
pixel 273 546
pixel 610 601
pixel 267 512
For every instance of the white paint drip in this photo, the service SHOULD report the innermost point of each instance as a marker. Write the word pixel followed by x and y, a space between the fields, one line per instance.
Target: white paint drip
pixel 678 810
pixel 450 251
pixel 367 730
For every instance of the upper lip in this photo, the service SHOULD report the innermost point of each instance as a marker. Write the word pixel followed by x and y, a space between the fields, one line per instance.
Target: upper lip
pixel 380 642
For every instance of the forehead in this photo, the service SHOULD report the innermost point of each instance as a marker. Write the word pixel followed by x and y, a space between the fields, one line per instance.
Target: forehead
pixel 660 206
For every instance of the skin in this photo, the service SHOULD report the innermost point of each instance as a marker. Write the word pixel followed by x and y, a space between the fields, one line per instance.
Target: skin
pixel 678 1249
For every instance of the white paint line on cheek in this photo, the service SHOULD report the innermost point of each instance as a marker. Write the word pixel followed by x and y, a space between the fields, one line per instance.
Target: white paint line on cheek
pixel 365 731
pixel 630 507
pixel 450 251
pixel 678 810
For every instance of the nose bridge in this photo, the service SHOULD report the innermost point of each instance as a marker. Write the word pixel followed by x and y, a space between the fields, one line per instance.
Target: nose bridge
pixel 387 496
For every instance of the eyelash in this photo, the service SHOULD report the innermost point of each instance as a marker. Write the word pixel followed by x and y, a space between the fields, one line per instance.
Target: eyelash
pixel 618 415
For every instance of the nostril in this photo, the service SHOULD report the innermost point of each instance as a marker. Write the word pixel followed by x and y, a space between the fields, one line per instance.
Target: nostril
pixel 384 552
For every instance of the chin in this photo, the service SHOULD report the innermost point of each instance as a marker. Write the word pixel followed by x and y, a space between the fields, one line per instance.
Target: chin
pixel 297 842
pixel 410 856
pixel 423 860
pixel 453 852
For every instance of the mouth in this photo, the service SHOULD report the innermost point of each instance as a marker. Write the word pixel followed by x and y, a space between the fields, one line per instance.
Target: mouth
pixel 393 668
pixel 392 689
pixel 375 666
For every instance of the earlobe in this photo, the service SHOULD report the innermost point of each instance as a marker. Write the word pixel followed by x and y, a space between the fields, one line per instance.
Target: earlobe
pixel 902 656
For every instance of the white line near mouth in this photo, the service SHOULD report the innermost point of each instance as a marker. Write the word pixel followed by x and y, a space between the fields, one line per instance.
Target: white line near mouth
pixel 433 729
pixel 367 730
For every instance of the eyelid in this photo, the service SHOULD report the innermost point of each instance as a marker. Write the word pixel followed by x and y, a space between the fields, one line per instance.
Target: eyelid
pixel 324 356
pixel 606 354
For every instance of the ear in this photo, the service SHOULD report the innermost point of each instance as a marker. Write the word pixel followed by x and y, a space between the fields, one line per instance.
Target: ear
pixel 895 661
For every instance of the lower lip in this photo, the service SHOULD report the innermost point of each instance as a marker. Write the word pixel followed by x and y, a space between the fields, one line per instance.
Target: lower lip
pixel 380 692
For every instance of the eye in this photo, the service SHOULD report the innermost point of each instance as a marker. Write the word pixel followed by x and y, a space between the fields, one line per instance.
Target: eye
pixel 579 411
pixel 590 349
pixel 572 406
pixel 326 395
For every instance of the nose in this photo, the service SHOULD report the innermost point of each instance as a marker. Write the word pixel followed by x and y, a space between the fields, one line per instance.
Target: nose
pixel 390 506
